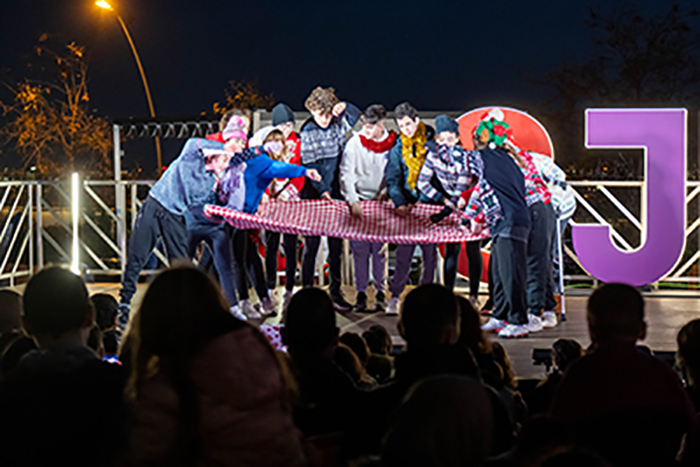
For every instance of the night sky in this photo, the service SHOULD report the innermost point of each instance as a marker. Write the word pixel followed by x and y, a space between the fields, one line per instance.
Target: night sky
pixel 439 55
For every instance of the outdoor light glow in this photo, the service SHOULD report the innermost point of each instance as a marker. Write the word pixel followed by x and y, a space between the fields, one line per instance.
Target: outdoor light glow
pixel 103 4
pixel 75 211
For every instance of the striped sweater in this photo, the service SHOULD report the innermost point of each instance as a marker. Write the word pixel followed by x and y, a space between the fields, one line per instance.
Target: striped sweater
pixel 445 174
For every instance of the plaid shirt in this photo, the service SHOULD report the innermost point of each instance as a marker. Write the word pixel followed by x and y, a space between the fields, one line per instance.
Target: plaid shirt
pixel 535 188
pixel 563 199
pixel 449 166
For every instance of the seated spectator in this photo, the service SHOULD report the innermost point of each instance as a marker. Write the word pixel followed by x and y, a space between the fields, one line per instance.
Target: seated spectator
pixel 624 404
pixel 94 341
pixel 329 400
pixel 205 387
pixel 348 361
pixel 10 311
pixel 540 438
pixel 688 359
pixel 357 344
pixel 380 363
pixel 107 310
pixel 444 421
pixel 18 347
pixel 61 405
pixel 564 353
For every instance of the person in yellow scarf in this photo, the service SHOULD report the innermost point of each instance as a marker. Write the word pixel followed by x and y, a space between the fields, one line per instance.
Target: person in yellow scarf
pixel 405 162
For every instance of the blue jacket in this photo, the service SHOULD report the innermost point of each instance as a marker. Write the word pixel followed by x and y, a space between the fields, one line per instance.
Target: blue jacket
pixel 259 173
pixel 396 176
pixel 321 149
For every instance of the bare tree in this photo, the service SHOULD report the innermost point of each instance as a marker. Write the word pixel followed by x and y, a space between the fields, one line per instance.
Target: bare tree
pixel 49 120
pixel 244 95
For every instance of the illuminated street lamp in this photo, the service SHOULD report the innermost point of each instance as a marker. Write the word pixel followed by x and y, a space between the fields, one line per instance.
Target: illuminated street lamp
pixel 103 4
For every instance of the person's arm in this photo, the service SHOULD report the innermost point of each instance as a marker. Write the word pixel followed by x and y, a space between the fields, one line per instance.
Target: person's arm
pixel 349 116
pixel 424 184
pixel 393 176
pixel 348 174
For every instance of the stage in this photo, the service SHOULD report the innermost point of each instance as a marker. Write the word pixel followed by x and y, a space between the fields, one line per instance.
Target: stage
pixel 666 313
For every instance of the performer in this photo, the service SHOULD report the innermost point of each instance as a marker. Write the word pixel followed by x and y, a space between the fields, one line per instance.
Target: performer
pixel 282 190
pixel 500 198
pixel 259 172
pixel 362 179
pixel 445 175
pixel 322 143
pixel 188 182
pixel 406 160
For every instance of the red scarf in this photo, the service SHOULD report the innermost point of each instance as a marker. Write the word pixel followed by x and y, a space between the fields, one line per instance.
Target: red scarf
pixel 379 146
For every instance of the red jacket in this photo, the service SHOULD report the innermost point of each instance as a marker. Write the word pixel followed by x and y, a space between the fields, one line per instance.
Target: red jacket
pixel 294 149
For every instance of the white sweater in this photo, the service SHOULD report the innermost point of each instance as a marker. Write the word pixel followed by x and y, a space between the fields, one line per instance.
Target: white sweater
pixel 361 170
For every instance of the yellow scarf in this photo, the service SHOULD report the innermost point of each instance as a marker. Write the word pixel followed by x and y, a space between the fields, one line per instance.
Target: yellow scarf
pixel 414 151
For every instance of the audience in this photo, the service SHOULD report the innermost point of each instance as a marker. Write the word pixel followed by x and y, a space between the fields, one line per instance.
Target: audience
pixel 205 388
pixel 10 311
pixel 616 389
pixel 380 363
pixel 348 361
pixel 61 405
pixel 688 359
pixel 564 353
pixel 106 311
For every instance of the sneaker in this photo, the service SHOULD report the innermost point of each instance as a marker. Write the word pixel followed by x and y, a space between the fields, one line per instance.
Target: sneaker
pixel 549 319
pixel 249 310
pixel 273 298
pixel 340 304
pixel 361 304
pixel 237 313
pixel 534 323
pixel 287 297
pixel 124 311
pixel 380 302
pixel 514 331
pixel 493 325
pixel 392 308
pixel 269 306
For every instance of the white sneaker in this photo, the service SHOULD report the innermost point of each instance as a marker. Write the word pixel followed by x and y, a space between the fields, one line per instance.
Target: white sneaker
pixel 549 319
pixel 513 331
pixel 493 325
pixel 237 313
pixel 392 308
pixel 534 323
pixel 249 310
pixel 269 306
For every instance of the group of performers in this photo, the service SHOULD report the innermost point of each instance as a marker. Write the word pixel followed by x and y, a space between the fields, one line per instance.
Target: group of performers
pixel 517 194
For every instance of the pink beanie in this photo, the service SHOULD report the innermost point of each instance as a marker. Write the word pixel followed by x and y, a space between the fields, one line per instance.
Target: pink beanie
pixel 234 129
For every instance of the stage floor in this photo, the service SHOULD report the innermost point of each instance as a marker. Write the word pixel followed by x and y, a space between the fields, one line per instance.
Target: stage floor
pixel 665 315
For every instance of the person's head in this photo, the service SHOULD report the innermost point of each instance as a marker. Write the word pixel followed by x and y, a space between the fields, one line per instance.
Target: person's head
pixel 444 420
pixel 57 308
pixel 470 334
pixel 491 130
pixel 429 317
pixel 283 119
pixel 688 354
pixel 348 361
pixel 373 120
pixel 95 340
pixel 407 119
pixel 14 353
pixel 358 345
pixel 378 340
pixel 278 136
pixel 615 312
pixel 310 326
pixel 500 356
pixel 235 134
pixel 182 310
pixel 106 310
pixel 446 131
pixel 564 353
pixel 10 310
pixel 320 103
pixel 245 114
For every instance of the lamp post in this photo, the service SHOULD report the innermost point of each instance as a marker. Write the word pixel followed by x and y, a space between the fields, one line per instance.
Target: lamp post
pixel 103 4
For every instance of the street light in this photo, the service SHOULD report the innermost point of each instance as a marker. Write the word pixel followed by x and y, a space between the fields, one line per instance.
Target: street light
pixel 103 4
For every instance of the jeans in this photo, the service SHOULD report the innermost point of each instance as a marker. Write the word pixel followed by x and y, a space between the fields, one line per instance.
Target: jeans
pixel 402 268
pixel 245 251
pixel 539 259
pixel 508 265
pixel 218 239
pixel 308 262
pixel 361 251
pixel 152 222
pixel 272 244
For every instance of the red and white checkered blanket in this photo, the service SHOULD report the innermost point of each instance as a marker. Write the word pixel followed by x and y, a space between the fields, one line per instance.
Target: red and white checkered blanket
pixel 332 218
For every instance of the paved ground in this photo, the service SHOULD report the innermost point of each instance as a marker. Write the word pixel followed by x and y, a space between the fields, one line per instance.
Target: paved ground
pixel 665 315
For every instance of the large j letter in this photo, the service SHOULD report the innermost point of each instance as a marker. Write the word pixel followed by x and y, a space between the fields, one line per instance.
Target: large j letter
pixel 662 135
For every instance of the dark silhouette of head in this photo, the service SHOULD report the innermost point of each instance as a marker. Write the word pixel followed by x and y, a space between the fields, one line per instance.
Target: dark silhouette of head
pixel 106 310
pixel 310 325
pixel 10 310
pixel 688 354
pixel 429 317
pixel 616 313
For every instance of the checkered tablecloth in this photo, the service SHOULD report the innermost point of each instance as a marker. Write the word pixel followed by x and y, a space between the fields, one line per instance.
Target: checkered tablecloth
pixel 332 218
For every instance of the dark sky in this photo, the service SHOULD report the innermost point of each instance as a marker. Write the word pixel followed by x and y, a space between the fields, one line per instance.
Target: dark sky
pixel 451 55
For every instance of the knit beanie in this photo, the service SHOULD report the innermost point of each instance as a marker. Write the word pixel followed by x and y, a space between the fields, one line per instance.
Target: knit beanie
pixel 445 123
pixel 234 129
pixel 281 113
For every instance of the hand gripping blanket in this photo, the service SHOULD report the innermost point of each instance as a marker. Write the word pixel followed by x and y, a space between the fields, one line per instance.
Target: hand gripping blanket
pixel 379 224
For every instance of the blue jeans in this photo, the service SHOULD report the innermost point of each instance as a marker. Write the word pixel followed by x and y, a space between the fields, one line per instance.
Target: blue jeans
pixel 218 239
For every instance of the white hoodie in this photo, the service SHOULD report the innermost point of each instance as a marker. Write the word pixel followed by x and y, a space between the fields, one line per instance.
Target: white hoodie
pixel 362 170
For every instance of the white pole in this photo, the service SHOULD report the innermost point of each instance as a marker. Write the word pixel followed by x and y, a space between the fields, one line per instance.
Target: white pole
pixel 560 254
pixel 75 210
